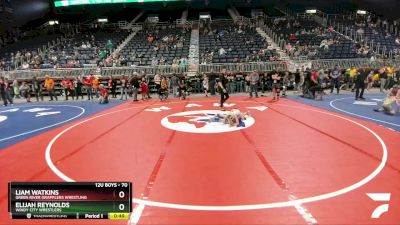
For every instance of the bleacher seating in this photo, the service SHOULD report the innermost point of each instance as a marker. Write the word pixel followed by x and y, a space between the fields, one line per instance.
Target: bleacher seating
pixel 140 52
pixel 311 34
pixel 8 53
pixel 237 42
pixel 71 49
pixel 238 45
pixel 368 32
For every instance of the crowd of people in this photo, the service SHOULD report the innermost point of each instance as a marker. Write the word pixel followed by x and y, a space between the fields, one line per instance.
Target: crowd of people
pixel 309 83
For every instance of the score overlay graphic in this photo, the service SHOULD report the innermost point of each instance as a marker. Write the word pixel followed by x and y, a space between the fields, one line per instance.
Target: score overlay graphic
pixel 81 200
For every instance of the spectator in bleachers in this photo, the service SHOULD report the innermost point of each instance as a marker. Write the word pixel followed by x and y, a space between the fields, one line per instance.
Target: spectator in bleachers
pixel 360 31
pixel 221 51
pixel 110 46
pixel 102 54
pixel 292 37
pixel 175 62
pixel 179 44
pixel 154 61
pixel 289 48
pixel 162 61
pixel 183 62
pixel 397 40
pixel 2 65
pixel 28 56
pixel 25 66
pixel 324 45
pixel 150 39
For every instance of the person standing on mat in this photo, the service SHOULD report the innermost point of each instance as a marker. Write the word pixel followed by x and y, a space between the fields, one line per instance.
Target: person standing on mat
pixel 335 77
pixel 222 81
pixel 382 78
pixel 212 82
pixel 5 91
pixel 360 81
pixel 124 87
pixel 182 88
pixel 112 85
pixel 135 83
pixel 144 87
pixel 147 80
pixel 49 85
pixel 37 88
pixel 95 86
pixel 253 78
pixel 174 84
pixel 164 89
pixel 205 84
pixel 88 85
pixel 276 85
pixel 157 82
pixel 68 88
pixel 77 82
pixel 25 91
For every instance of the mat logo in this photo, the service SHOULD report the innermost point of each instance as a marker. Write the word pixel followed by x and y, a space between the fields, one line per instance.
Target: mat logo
pixel 37 111
pixel 202 121
pixel 379 197
pixel 2 118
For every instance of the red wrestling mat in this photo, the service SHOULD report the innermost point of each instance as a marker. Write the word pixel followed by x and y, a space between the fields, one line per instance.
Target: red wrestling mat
pixel 290 164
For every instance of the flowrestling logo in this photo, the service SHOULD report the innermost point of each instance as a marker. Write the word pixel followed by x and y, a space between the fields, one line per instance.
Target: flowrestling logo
pixel 202 121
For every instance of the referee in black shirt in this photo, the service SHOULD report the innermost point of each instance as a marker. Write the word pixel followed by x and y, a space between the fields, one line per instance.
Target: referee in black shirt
pixel 360 81
pixel 222 81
